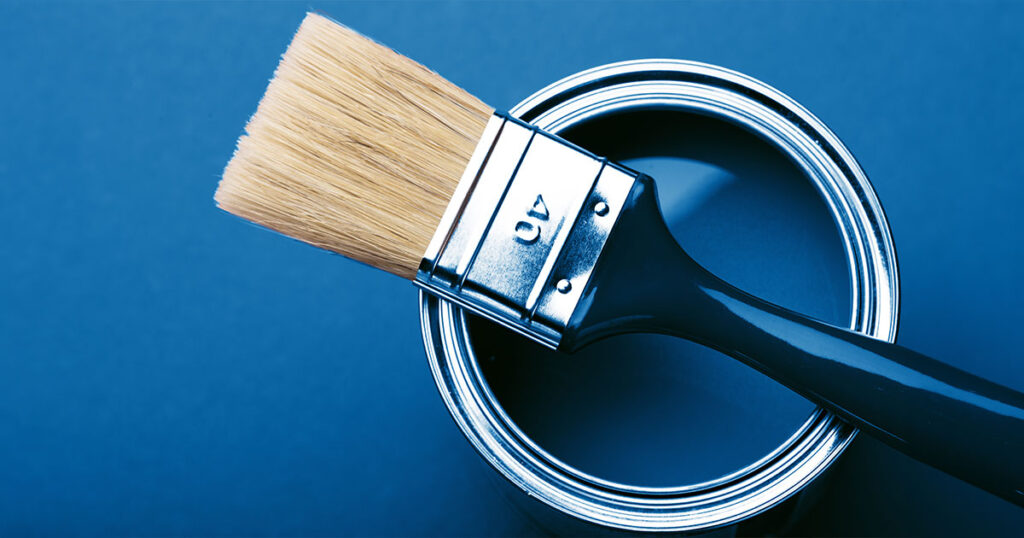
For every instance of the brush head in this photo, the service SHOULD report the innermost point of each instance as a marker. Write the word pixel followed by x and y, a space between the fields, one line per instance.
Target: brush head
pixel 354 148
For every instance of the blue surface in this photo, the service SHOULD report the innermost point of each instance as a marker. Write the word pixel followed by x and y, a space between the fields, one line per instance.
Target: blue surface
pixel 166 370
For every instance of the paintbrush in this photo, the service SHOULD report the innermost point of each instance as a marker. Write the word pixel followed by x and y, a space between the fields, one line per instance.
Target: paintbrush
pixel 357 149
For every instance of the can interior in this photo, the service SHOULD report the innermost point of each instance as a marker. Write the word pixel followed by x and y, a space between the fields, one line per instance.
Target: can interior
pixel 656 411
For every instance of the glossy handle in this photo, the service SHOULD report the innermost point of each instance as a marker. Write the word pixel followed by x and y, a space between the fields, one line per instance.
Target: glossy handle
pixel 957 422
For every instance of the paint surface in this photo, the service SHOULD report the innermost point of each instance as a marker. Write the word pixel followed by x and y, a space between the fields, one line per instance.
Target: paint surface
pixel 658 411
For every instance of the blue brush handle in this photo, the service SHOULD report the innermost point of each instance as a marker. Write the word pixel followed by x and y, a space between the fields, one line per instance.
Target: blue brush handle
pixel 957 422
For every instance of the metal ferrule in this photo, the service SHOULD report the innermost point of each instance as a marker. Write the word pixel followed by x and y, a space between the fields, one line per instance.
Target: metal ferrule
pixel 521 236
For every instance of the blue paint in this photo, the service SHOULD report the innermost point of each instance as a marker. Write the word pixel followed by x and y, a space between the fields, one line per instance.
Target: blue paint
pixel 654 410
pixel 166 369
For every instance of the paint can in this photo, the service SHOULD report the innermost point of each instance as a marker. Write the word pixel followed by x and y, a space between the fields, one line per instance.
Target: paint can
pixel 538 420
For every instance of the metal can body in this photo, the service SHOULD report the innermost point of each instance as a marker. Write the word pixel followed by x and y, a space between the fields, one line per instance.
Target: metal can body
pixel 770 480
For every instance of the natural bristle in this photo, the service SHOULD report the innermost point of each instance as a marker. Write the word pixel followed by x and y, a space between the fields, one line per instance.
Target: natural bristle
pixel 354 148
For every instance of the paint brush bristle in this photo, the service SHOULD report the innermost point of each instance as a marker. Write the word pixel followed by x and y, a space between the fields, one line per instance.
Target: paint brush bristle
pixel 354 148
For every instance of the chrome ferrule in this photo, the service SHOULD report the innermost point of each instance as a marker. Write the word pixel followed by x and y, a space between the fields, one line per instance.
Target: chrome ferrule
pixel 524 230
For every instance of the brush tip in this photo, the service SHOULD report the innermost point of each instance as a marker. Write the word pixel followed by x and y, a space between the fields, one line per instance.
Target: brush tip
pixel 353 148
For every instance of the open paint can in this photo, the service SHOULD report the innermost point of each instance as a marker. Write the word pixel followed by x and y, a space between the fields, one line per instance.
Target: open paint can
pixel 653 433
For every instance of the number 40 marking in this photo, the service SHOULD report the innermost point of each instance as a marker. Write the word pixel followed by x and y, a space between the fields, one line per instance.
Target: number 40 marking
pixel 528 229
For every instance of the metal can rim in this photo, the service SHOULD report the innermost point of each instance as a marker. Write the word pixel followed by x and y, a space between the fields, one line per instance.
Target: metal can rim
pixel 721 93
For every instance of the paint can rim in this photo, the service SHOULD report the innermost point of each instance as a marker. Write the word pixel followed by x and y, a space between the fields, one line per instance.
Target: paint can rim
pixel 723 94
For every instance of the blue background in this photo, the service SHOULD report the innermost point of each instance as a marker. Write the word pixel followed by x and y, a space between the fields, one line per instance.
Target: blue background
pixel 166 370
